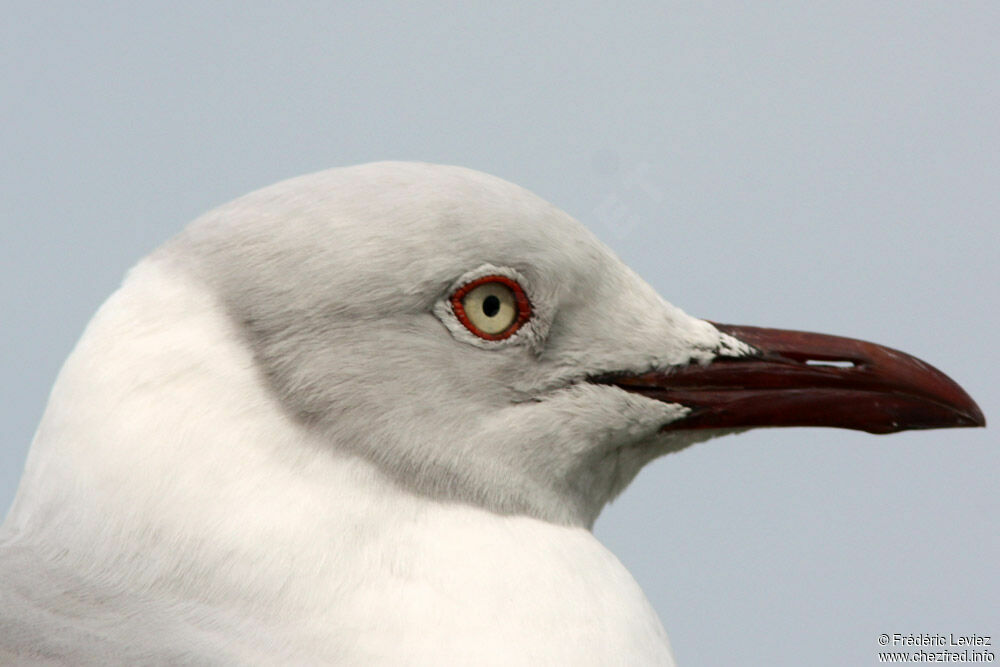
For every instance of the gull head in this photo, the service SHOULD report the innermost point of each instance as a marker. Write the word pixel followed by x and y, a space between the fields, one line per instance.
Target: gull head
pixel 479 345
pixel 450 331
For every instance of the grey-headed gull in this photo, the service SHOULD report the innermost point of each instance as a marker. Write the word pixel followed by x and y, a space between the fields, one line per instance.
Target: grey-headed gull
pixel 369 416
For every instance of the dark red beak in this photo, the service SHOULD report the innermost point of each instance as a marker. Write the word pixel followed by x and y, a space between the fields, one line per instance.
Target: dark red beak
pixel 807 379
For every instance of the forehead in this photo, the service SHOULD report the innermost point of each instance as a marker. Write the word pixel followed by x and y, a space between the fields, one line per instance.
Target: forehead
pixel 387 227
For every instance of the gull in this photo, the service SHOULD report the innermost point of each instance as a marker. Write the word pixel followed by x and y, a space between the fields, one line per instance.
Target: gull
pixel 369 416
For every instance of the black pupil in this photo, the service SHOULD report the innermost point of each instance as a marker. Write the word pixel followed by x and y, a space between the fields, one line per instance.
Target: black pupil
pixel 491 305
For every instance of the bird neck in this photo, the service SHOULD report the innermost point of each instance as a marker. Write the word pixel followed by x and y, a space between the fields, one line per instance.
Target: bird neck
pixel 160 441
pixel 164 463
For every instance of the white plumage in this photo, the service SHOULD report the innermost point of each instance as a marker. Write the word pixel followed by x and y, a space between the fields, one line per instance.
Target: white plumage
pixel 280 442
pixel 266 448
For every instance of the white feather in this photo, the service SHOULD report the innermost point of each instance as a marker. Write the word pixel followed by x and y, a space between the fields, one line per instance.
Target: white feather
pixel 272 445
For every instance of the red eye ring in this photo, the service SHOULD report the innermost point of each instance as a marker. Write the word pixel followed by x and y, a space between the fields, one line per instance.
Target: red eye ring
pixel 522 304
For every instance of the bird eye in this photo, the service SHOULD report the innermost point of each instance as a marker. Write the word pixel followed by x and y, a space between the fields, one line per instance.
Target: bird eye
pixel 492 307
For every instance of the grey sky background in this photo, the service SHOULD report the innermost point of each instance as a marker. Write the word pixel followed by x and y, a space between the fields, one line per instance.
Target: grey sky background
pixel 829 167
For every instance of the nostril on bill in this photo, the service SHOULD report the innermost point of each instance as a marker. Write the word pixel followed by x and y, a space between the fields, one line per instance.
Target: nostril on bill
pixel 836 363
